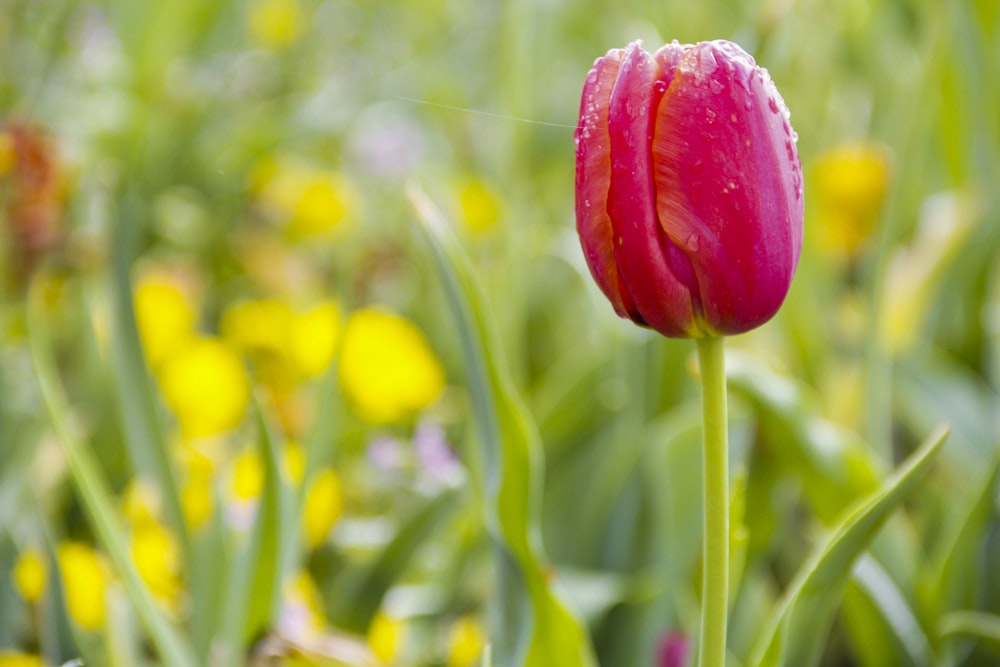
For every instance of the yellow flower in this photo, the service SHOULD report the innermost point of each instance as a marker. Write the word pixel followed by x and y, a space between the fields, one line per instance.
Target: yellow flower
pixel 302 608
pixel 300 342
pixel 198 463
pixel 385 637
pixel 386 367
pixel 15 659
pixel 205 385
pixel 850 186
pixel 276 24
pixel 248 477
pixel 165 316
pixel 311 202
pixel 322 508
pixel 295 461
pixel 479 205
pixel 465 642
pixel 140 503
pixel 154 551
pixel 84 580
pixel 259 326
pixel 197 500
pixel 312 340
pixel 30 575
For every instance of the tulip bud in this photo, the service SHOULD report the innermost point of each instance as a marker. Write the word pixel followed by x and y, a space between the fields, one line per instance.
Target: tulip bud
pixel 688 188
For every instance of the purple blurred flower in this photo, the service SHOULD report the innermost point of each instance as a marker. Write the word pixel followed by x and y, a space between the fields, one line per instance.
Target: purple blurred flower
pixel 434 454
pixel 385 453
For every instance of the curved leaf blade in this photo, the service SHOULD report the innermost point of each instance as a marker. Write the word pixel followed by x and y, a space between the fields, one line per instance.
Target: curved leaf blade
pixel 535 629
pixel 798 625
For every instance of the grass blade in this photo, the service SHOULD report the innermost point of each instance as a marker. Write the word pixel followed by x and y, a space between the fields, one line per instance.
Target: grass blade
pixel 535 629
pixel 98 503
pixel 797 628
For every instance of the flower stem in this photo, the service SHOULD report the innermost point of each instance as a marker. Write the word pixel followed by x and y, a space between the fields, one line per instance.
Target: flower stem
pixel 715 458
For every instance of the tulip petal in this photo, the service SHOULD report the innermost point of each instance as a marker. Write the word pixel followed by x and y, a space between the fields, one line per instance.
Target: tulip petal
pixel 729 184
pixel 593 181
pixel 652 269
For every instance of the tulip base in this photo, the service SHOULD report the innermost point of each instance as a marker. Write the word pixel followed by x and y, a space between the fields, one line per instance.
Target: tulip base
pixel 715 564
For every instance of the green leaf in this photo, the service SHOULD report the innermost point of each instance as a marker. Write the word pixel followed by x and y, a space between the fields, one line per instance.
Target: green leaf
pixel 799 624
pixel 952 578
pixel 137 405
pixel 534 629
pixel 983 627
pixel 254 587
pixel 835 467
pixel 876 584
pixel 269 534
pixel 362 597
pixel 99 506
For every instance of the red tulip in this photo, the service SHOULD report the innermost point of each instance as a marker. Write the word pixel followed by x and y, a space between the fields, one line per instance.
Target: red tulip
pixel 688 188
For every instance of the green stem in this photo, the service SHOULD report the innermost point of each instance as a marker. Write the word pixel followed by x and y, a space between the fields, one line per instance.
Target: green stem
pixel 715 566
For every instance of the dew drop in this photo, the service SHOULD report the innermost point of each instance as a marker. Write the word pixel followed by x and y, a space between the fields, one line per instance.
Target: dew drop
pixel 696 167
pixel 772 104
pixel 692 243
pixel 707 137
pixel 716 86
pixel 732 185
pixel 709 116
pixel 732 117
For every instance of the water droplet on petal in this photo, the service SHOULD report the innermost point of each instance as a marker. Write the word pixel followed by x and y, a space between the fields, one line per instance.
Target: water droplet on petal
pixel 716 86
pixel 709 116
pixel 707 137
pixel 772 104
pixel 692 243
pixel 696 167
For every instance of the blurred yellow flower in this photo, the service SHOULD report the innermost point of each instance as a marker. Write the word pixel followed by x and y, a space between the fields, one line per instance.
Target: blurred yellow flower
pixel 300 342
pixel 385 637
pixel 276 24
pixel 84 579
pixel 312 340
pixel 205 385
pixel 198 468
pixel 295 461
pixel 309 200
pixel 7 155
pixel 322 508
pixel 302 608
pixel 479 205
pixel 140 503
pixel 154 551
pixel 165 315
pixel 247 482
pixel 197 499
pixel 30 575
pixel 257 326
pixel 850 184
pixel 465 642
pixel 15 659
pixel 387 368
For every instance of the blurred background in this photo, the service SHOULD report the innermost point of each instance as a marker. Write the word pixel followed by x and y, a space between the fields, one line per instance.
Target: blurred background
pixel 212 286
